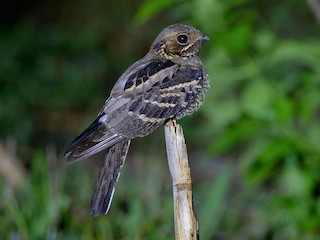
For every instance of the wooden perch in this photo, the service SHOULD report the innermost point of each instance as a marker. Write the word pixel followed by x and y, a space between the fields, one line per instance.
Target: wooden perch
pixel 186 224
pixel 315 8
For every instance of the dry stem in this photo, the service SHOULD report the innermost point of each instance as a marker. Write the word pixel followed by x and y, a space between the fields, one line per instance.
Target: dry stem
pixel 186 224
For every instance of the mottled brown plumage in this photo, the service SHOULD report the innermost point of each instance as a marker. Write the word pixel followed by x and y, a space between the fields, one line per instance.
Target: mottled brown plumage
pixel 169 82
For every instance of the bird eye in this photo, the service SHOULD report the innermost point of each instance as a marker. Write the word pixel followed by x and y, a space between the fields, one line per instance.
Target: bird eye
pixel 182 39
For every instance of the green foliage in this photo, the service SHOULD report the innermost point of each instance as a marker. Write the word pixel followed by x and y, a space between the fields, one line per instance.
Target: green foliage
pixel 264 109
pixel 212 204
pixel 259 125
pixel 47 208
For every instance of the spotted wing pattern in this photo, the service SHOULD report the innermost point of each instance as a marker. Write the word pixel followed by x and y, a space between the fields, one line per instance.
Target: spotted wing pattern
pixel 151 97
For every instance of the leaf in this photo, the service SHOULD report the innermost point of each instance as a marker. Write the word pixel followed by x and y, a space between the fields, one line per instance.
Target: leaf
pixel 212 209
pixel 307 53
pixel 257 99
pixel 150 8
pixel 294 180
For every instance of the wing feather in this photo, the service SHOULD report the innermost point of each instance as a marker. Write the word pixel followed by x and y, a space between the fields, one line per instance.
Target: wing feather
pixel 91 141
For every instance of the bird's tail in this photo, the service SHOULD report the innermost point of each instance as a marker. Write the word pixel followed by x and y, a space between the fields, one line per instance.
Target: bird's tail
pixel 108 178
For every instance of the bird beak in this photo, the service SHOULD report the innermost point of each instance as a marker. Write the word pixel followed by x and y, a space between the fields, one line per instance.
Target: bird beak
pixel 205 38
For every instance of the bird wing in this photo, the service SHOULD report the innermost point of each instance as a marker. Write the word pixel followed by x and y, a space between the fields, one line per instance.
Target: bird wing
pixel 141 76
pixel 158 91
pixel 91 141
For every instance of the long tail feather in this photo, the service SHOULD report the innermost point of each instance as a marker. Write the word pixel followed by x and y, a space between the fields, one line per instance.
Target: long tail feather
pixel 109 175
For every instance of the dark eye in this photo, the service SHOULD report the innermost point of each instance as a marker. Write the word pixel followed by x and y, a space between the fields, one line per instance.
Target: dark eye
pixel 182 38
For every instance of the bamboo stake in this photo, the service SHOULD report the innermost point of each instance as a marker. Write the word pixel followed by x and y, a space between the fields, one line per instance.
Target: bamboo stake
pixel 186 224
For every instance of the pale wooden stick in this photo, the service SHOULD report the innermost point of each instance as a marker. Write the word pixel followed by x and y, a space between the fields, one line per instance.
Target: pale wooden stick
pixel 186 224
pixel 315 8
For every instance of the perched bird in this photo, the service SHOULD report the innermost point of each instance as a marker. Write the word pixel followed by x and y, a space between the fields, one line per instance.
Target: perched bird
pixel 169 82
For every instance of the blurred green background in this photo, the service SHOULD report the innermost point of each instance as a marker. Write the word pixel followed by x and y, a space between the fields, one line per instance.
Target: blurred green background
pixel 254 146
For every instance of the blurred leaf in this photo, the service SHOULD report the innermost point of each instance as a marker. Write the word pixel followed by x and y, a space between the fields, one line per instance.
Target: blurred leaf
pixel 225 113
pixel 307 53
pixel 284 110
pixel 212 208
pixel 237 39
pixel 257 98
pixel 266 166
pixel 151 8
pixel 233 136
pixel 265 40
pixel 294 180
pixel 202 9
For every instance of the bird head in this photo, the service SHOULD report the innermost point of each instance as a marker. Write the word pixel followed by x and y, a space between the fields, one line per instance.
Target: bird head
pixel 178 40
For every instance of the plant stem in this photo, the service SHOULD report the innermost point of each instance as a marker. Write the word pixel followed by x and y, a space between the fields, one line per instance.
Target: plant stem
pixel 186 224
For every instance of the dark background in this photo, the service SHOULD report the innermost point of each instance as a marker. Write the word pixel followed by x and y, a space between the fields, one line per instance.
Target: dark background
pixel 254 146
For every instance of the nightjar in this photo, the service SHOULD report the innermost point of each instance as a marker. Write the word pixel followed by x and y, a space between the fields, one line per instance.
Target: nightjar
pixel 168 82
